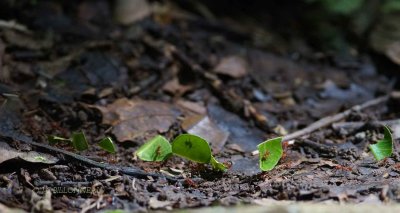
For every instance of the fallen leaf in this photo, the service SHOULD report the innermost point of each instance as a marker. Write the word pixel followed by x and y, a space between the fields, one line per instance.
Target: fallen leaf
pixel 9 153
pixel 233 66
pixel 191 107
pixel 154 203
pixel 210 131
pixel 129 11
pixel 240 132
pixel 174 87
pixel 136 118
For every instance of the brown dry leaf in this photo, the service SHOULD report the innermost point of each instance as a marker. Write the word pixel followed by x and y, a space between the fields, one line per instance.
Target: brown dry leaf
pixel 233 66
pixel 190 107
pixel 174 87
pixel 210 131
pixel 135 118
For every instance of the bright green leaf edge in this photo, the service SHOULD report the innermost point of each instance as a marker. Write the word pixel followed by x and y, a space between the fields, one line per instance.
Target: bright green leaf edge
pixel 108 145
pixel 55 139
pixel 156 149
pixel 384 147
pixel 217 165
pixel 192 147
pixel 274 150
pixel 79 141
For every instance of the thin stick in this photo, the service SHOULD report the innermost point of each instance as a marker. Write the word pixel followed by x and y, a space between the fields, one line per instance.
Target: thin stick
pixel 132 171
pixel 358 124
pixel 14 25
pixel 323 122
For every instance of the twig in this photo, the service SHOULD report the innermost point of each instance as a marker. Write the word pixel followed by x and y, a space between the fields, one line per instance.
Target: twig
pixel 323 122
pixel 354 125
pixel 132 171
pixel 334 118
pixel 14 25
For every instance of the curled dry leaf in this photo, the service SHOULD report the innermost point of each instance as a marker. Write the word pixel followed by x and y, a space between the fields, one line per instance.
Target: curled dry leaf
pixel 135 118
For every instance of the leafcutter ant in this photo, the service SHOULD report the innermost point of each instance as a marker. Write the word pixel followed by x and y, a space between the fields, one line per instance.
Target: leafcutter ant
pixel 265 155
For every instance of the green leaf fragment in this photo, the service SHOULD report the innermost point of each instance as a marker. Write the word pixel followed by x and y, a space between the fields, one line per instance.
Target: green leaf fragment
pixel 384 147
pixel 79 141
pixel 217 165
pixel 156 149
pixel 270 152
pixel 108 145
pixel 192 147
pixel 55 139
pixel 40 158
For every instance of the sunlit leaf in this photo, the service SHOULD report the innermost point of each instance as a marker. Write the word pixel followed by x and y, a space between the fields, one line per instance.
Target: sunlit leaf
pixel 192 147
pixel 270 152
pixel 79 141
pixel 384 147
pixel 55 139
pixel 217 165
pixel 156 149
pixel 108 145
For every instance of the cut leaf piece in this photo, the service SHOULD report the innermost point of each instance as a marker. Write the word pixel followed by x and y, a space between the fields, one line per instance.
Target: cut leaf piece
pixel 55 139
pixel 79 141
pixel 108 145
pixel 156 149
pixel 217 165
pixel 192 147
pixel 270 153
pixel 384 147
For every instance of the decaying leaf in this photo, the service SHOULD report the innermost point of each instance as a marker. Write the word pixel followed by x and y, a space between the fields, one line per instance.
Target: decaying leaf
pixel 176 88
pixel 233 66
pixel 135 118
pixel 8 153
pixel 210 131
pixel 130 11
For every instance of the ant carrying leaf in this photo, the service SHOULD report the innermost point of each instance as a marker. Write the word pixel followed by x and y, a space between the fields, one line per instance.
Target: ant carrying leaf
pixel 270 153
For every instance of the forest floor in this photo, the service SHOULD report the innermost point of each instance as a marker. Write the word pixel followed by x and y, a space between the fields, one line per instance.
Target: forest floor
pixel 170 74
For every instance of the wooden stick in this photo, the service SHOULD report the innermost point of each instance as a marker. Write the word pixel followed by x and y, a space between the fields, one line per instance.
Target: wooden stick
pixel 323 122
pixel 358 124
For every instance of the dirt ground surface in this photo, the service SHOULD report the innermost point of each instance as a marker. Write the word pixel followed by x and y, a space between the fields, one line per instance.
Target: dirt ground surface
pixel 70 67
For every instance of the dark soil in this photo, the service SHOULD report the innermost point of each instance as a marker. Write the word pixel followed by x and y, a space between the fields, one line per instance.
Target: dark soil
pixel 63 75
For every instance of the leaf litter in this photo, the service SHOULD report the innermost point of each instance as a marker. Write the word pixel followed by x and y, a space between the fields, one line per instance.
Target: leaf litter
pixel 132 119
pixel 167 46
